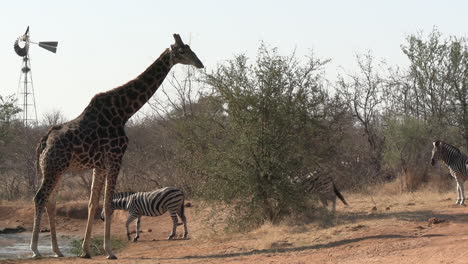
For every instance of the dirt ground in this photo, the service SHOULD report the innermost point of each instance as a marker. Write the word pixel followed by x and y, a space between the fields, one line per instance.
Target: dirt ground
pixel 397 230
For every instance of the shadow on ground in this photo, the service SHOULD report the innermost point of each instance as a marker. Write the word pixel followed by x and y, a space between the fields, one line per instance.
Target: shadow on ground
pixel 295 249
pixel 413 216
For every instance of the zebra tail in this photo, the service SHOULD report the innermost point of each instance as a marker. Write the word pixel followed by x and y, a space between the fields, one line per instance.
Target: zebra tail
pixel 339 194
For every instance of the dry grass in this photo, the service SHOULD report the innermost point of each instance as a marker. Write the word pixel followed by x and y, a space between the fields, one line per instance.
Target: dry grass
pixel 383 207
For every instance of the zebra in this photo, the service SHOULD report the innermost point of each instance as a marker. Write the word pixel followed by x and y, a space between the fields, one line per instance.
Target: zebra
pixel 324 187
pixel 456 163
pixel 153 203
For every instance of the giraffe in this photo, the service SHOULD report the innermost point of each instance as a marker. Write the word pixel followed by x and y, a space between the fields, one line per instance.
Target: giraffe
pixel 96 140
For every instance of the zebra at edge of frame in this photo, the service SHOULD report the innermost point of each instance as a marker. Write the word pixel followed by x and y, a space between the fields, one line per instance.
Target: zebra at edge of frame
pixel 455 161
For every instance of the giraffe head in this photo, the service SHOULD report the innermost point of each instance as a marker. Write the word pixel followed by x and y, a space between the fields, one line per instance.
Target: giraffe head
pixel 181 53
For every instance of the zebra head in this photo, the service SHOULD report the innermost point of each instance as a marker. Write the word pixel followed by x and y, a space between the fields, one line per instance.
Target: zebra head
pixel 436 151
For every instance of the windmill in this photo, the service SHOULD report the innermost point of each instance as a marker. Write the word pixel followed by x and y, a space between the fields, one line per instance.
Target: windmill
pixel 25 94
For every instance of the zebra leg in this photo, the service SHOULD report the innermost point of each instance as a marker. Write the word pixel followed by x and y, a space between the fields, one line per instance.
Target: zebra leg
pixel 50 206
pixel 334 203
pixel 138 226
pixel 458 192
pixel 324 201
pixel 174 224
pixel 131 218
pixel 181 214
pixel 461 191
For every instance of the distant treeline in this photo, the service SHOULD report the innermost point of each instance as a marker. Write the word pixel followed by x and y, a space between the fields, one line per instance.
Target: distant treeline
pixel 239 133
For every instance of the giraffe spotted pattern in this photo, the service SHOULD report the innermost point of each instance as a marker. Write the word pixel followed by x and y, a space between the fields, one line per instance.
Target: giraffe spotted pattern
pixel 96 140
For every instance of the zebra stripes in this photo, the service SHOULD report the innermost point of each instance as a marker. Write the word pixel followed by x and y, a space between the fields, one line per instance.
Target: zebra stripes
pixel 323 186
pixel 455 161
pixel 153 203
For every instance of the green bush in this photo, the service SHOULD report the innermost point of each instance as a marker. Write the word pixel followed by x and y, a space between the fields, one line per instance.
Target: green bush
pixel 263 137
pixel 408 147
pixel 96 246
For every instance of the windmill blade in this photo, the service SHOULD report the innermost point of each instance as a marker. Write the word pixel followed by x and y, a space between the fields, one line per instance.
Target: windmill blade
pixel 49 45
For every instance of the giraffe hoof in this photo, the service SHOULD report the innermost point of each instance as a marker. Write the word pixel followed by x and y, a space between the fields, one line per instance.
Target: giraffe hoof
pixel 170 238
pixel 85 255
pixel 135 239
pixel 36 256
pixel 58 255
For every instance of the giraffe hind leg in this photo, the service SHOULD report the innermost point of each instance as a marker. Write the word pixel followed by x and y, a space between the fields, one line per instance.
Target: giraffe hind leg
pixel 50 206
pixel 39 209
pixel 40 200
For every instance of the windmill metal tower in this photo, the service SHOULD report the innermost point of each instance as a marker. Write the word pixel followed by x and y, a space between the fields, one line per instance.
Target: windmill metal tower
pixel 25 94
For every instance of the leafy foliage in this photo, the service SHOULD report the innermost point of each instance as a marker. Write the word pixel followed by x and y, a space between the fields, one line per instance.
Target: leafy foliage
pixel 96 246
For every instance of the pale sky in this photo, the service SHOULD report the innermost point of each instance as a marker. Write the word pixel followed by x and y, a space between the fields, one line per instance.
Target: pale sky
pixel 103 44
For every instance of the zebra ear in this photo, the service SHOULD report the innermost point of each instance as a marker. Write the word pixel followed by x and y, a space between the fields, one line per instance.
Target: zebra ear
pixel 436 143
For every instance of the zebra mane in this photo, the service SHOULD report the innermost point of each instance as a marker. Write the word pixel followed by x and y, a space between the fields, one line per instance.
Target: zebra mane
pixel 120 195
pixel 450 147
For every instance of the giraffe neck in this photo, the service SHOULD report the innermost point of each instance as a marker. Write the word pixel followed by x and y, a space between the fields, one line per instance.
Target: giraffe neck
pixel 118 105
pixel 140 90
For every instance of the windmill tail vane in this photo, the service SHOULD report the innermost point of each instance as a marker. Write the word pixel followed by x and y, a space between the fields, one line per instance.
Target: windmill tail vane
pixel 49 45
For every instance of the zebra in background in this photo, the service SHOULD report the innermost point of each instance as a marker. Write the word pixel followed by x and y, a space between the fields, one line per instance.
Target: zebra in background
pixel 455 161
pixel 324 187
pixel 153 203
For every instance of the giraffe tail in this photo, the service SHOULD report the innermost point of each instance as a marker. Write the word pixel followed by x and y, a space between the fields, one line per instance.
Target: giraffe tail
pixel 41 146
pixel 339 194
pixel 39 149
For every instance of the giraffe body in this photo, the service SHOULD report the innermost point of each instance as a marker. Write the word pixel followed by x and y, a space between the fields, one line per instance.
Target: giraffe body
pixel 96 140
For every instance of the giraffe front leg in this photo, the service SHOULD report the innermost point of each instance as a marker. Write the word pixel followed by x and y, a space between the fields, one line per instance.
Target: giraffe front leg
pixel 50 206
pixel 110 187
pixel 98 180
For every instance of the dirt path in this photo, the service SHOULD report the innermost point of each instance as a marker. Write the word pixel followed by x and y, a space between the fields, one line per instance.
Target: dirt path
pixel 397 232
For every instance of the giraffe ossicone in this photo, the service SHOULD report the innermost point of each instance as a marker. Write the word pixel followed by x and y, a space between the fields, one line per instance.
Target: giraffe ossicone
pixel 96 140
